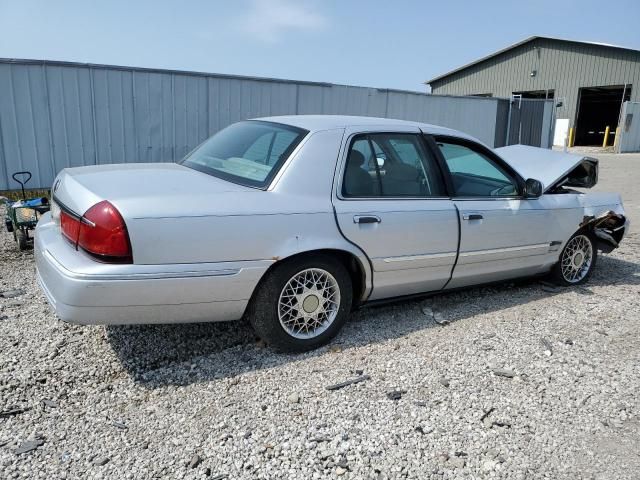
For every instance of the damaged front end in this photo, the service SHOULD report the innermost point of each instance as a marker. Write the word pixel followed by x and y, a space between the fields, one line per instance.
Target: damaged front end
pixel 561 173
pixel 609 229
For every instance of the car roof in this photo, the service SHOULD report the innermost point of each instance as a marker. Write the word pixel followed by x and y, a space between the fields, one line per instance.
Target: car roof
pixel 326 122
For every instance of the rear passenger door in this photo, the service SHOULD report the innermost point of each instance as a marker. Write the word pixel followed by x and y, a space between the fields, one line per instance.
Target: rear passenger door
pixel 390 200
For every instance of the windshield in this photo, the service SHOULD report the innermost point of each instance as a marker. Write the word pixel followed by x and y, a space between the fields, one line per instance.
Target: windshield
pixel 249 153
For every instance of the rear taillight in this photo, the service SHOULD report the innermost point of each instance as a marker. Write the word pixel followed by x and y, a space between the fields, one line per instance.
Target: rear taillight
pixel 70 226
pixel 104 233
pixel 101 232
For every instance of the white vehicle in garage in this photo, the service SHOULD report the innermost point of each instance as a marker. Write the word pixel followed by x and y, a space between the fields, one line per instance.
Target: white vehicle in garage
pixel 294 221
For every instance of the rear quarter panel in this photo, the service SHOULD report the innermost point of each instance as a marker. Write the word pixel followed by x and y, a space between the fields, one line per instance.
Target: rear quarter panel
pixel 294 215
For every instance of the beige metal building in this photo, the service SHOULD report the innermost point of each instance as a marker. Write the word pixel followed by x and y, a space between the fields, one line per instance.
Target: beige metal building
pixel 588 81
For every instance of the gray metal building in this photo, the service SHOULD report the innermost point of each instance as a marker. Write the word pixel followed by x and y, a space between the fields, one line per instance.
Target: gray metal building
pixel 58 114
pixel 588 81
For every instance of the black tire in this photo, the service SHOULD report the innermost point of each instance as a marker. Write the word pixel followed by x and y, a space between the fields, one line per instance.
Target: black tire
pixel 557 274
pixel 263 310
pixel 9 225
pixel 21 238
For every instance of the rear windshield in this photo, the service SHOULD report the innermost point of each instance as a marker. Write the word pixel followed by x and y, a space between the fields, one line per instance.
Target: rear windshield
pixel 249 153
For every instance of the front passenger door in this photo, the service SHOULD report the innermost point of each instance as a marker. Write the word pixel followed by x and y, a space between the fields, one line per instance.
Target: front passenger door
pixel 502 234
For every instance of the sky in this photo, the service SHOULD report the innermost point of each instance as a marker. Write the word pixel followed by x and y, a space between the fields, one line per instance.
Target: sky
pixel 386 44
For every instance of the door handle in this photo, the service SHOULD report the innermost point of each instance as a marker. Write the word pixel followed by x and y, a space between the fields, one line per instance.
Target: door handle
pixel 472 216
pixel 366 219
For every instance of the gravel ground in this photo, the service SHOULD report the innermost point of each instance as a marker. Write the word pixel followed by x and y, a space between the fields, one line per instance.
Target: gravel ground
pixel 523 381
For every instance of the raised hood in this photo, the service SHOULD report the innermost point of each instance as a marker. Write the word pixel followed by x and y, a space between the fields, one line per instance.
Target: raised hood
pixel 553 169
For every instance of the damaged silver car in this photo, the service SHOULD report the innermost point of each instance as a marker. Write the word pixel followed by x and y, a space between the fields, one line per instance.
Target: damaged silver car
pixel 292 222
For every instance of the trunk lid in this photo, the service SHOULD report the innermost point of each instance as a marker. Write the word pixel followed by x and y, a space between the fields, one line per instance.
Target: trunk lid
pixel 553 169
pixel 140 189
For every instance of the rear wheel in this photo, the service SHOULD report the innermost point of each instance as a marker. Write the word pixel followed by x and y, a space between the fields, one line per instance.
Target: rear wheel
pixel 577 260
pixel 302 303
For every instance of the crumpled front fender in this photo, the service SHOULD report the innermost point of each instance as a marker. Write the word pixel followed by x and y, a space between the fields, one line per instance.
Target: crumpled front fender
pixel 609 229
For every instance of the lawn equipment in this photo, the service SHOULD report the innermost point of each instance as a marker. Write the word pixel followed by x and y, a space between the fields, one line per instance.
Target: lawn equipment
pixel 21 216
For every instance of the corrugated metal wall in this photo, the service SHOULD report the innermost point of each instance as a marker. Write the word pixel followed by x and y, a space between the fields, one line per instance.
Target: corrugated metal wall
pixel 55 115
pixel 629 140
pixel 561 66
pixel 529 123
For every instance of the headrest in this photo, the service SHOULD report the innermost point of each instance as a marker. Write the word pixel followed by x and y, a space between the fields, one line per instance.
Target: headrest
pixel 355 159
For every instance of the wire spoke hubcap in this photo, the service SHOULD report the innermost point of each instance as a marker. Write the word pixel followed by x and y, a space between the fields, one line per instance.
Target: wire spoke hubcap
pixel 309 303
pixel 576 259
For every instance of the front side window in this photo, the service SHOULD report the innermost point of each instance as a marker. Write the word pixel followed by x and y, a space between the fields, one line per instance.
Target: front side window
pixel 474 174
pixel 390 165
pixel 249 153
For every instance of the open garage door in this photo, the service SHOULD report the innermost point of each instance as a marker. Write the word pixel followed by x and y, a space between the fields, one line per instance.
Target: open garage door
pixel 599 108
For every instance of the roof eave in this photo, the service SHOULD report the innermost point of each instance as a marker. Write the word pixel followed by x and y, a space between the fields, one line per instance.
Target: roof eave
pixel 518 44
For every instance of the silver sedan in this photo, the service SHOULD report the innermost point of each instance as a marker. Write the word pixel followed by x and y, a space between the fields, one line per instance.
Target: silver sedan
pixel 295 221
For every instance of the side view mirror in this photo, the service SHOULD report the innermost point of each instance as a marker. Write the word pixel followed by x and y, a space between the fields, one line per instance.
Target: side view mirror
pixel 532 188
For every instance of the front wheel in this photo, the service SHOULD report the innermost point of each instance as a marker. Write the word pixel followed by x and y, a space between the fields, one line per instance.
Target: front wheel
pixel 302 303
pixel 577 260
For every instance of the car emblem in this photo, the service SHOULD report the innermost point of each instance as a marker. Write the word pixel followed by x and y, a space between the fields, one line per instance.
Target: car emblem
pixel 56 185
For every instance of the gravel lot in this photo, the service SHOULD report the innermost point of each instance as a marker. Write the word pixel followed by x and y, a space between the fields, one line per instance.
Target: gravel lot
pixel 523 381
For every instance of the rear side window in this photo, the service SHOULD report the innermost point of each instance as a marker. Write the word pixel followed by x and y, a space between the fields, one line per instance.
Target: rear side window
pixel 390 165
pixel 249 153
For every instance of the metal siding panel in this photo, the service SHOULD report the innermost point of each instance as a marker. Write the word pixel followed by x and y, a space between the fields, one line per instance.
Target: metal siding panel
pixel 630 140
pixel 71 115
pixel 142 116
pixel 234 90
pixel 377 103
pixel 310 99
pixel 129 134
pixel 155 123
pixel 332 98
pixel 502 117
pixel 168 118
pixel 101 115
pixel 8 121
pixel 196 109
pixel 546 140
pixel 181 116
pixel 84 109
pixel 4 178
pixel 203 126
pixel 57 122
pixel 23 145
pixel 215 96
pixel 40 115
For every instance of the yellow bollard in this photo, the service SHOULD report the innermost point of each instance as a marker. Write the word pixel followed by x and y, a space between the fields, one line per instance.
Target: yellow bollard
pixel 571 131
pixel 606 136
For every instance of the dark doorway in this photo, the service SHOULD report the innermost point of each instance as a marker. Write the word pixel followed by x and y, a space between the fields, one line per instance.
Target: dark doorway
pixel 537 94
pixel 599 108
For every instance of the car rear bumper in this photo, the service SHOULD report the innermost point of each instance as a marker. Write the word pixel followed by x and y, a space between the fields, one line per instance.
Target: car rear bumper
pixel 82 290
